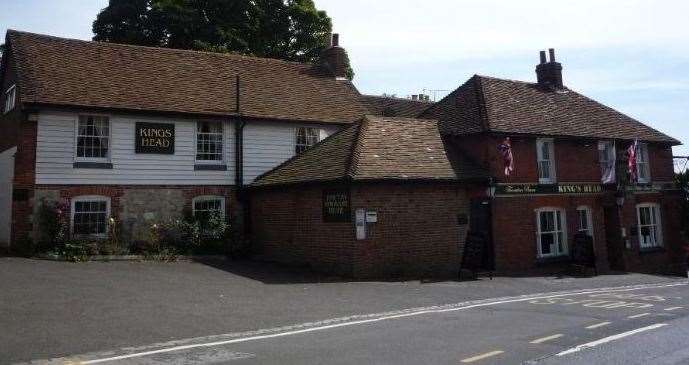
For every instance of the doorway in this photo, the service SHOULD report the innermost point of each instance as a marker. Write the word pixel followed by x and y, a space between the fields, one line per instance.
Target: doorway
pixel 481 223
pixel 613 238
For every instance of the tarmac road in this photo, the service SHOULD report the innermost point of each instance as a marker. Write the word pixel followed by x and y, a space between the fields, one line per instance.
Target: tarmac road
pixel 253 313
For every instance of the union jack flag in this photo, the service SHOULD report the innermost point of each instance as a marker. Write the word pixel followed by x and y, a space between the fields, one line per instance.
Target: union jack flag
pixel 505 149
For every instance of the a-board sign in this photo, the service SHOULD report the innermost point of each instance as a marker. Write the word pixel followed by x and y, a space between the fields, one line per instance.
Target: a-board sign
pixel 336 206
pixel 155 138
pixel 582 250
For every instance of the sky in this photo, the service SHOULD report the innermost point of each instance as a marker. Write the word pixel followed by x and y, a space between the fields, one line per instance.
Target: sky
pixel 631 55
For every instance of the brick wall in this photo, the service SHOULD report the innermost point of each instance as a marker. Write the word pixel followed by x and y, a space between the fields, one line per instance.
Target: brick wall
pixel 514 225
pixel 417 233
pixel 24 177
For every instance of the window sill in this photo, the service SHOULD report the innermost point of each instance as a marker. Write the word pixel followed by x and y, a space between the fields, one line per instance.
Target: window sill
pixel 199 167
pixel 649 250
pixel 92 165
pixel 553 260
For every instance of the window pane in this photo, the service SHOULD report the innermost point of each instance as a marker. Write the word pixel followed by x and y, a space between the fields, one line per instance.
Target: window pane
pixel 209 141
pixel 547 241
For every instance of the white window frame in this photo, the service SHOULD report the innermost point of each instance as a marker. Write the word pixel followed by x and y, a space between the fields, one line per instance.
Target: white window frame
pixel 589 222
pixel 539 159
pixel 656 224
pixel 306 146
pixel 202 198
pixel 556 251
pixel 642 163
pixel 10 99
pixel 89 198
pixel 76 139
pixel 222 141
pixel 607 158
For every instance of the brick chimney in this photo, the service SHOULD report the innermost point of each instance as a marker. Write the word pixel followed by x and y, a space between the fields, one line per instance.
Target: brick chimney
pixel 335 58
pixel 549 73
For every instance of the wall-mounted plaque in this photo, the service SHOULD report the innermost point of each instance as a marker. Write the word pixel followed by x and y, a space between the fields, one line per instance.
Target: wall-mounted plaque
pixel 156 138
pixel 336 206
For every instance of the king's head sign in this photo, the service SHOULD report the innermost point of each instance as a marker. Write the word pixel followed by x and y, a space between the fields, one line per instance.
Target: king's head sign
pixel 157 138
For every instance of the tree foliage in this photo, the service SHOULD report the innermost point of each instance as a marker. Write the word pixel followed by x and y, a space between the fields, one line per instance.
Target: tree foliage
pixel 292 30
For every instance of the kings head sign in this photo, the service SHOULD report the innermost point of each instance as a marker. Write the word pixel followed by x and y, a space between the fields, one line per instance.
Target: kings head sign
pixel 155 138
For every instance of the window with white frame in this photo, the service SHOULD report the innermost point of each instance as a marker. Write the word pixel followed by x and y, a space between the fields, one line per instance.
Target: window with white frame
pixel 205 206
pixel 649 225
pixel 93 138
pixel 584 223
pixel 607 157
pixel 642 167
pixel 546 160
pixel 209 142
pixel 305 138
pixel 551 235
pixel 10 98
pixel 90 216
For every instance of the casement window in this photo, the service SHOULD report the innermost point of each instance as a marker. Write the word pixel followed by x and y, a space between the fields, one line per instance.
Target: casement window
pixel 93 138
pixel 584 222
pixel 10 98
pixel 551 234
pixel 607 157
pixel 90 216
pixel 546 160
pixel 204 206
pixel 209 142
pixel 305 138
pixel 649 225
pixel 642 167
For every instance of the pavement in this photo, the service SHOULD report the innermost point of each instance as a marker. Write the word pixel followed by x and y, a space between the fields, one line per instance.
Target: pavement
pixel 252 313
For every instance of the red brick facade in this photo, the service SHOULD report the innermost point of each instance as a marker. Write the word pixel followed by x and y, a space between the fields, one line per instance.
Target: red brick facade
pixel 417 232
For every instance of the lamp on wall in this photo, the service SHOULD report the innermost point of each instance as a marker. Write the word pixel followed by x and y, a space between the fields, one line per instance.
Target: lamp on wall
pixel 619 198
pixel 490 190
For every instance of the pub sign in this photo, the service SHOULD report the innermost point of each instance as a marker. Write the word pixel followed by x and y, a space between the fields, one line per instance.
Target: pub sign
pixel 336 206
pixel 155 138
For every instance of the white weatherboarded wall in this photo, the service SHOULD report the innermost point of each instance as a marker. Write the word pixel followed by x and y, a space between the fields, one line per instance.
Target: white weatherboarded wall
pixel 268 144
pixel 55 155
pixel 6 178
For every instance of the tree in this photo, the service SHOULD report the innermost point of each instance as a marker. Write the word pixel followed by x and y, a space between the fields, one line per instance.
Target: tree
pixel 292 30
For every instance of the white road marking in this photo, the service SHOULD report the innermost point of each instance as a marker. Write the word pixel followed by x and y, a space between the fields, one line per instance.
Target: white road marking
pixel 639 315
pixel 383 316
pixel 673 308
pixel 597 325
pixel 547 338
pixel 610 338
pixel 483 356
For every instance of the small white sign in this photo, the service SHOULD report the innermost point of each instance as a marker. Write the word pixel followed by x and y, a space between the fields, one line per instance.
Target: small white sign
pixel 371 217
pixel 360 221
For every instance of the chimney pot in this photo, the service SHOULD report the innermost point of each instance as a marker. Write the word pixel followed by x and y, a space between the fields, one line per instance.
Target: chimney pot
pixel 335 42
pixel 551 51
pixel 543 60
pixel 334 58
pixel 549 73
pixel 414 97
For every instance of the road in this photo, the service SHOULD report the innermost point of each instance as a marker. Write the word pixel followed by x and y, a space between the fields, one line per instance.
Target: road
pixel 625 325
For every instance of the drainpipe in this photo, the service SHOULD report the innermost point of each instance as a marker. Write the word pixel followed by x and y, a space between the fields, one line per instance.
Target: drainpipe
pixel 242 197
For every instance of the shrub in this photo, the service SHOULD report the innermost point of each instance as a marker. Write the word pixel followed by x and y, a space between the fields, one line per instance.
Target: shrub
pixel 53 226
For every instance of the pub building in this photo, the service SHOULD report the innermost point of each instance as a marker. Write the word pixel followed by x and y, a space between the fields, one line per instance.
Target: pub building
pixel 522 174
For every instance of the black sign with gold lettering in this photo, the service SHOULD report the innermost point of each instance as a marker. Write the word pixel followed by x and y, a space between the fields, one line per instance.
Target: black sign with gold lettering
pixel 156 138
pixel 522 189
pixel 336 206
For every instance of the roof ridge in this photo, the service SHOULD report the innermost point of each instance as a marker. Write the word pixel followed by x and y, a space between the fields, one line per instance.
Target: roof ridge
pixel 482 104
pixel 353 160
pixel 397 98
pixel 161 49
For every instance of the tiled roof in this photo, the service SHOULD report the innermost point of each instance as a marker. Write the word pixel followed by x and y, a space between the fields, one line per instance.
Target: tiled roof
pixel 507 106
pixel 394 107
pixel 377 148
pixel 70 72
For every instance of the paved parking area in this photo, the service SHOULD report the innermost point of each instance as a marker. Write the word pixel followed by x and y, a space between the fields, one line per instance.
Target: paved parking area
pixel 56 309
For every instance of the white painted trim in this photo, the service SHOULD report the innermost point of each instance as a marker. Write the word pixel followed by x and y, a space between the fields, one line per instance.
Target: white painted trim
pixel 12 89
pixel 76 138
pixel 552 160
pixel 658 219
pixel 89 198
pixel 225 138
pixel 642 150
pixel 207 198
pixel 563 216
pixel 589 217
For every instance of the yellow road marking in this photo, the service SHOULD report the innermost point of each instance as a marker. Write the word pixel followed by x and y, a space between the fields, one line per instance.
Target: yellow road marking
pixel 547 338
pixel 639 315
pixel 482 356
pixel 673 308
pixel 597 325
